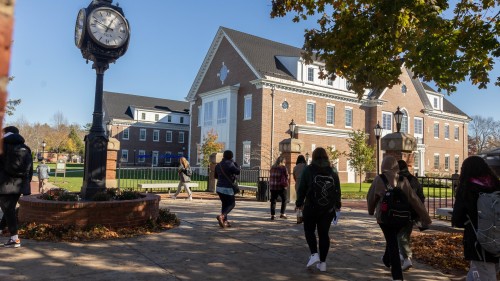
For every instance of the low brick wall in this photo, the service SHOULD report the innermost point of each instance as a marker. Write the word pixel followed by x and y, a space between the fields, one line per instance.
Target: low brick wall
pixel 112 214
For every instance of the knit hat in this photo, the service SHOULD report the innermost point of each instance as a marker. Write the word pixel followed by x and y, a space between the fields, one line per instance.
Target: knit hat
pixel 11 129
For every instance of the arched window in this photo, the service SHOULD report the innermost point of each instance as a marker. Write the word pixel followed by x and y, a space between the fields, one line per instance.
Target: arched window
pixel 404 122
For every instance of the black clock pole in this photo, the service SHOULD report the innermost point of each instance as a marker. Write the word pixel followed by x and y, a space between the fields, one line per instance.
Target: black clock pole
pixel 96 142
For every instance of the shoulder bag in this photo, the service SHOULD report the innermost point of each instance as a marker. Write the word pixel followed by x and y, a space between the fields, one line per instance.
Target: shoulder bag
pixel 236 188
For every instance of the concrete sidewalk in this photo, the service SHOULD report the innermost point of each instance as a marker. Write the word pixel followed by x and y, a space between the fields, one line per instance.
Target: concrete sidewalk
pixel 255 248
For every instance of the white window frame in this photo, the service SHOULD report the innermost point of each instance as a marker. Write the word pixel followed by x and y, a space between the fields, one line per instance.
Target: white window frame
pixel 208 113
pixel 222 111
pixel 156 135
pixel 141 131
pixel 247 108
pixel 143 115
pixel 169 118
pixel 456 133
pixel 313 113
pixel 124 157
pixel 181 119
pixel 330 108
pixel 457 163
pixel 436 165
pixel 247 150
pixel 199 154
pixel 126 134
pixel 387 121
pixel 349 109
pixel 446 162
pixel 200 114
pixel 168 157
pixel 435 103
pixel 416 162
pixel 157 117
pixel 141 153
pixel 446 131
pixel 154 158
pixel 405 121
pixel 168 136
pixel 435 130
pixel 181 137
pixel 418 127
pixel 310 74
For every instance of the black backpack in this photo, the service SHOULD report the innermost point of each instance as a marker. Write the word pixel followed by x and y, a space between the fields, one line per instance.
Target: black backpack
pixel 324 194
pixel 395 208
pixel 17 160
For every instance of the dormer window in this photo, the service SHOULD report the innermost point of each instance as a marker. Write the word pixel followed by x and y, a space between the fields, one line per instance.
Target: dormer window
pixel 436 102
pixel 143 116
pixel 310 74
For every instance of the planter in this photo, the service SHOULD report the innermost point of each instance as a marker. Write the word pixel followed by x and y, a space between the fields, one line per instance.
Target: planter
pixel 112 214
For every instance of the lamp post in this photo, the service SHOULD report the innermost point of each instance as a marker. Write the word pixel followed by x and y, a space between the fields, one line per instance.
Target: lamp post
pixel 43 149
pixel 291 127
pixel 378 133
pixel 398 117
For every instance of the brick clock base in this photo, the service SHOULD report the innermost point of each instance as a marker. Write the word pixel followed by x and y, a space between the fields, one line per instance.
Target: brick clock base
pixel 112 214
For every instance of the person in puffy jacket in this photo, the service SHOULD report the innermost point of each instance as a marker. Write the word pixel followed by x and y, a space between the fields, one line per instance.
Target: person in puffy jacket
pixel 475 177
pixel 12 187
pixel 390 169
pixel 225 173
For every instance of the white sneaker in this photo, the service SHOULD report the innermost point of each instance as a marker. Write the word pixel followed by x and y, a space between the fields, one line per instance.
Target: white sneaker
pixel 313 259
pixel 407 264
pixel 321 266
pixel 173 197
pixel 190 198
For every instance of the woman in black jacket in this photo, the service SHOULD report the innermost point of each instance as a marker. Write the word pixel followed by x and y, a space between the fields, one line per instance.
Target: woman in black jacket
pixel 225 173
pixel 475 177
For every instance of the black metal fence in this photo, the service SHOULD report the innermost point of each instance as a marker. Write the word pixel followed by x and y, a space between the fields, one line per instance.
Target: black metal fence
pixel 439 193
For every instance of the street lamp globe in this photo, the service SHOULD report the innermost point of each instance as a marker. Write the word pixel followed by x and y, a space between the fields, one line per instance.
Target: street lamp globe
pixel 378 130
pixel 398 117
pixel 291 127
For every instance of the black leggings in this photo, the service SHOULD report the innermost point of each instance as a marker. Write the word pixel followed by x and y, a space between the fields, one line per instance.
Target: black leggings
pixel 274 195
pixel 391 255
pixel 322 222
pixel 228 203
pixel 8 204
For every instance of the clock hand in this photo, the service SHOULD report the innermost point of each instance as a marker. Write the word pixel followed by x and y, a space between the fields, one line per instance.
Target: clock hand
pixel 108 27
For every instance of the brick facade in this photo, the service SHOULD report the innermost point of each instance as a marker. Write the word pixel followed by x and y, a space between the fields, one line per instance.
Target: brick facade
pixel 6 26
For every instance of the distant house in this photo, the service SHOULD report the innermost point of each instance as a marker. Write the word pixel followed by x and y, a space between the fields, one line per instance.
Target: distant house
pixel 151 131
pixel 248 90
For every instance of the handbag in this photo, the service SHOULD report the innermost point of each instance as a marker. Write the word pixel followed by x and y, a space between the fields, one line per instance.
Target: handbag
pixel 236 188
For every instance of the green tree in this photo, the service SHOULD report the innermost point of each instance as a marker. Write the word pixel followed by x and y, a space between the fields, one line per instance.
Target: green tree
pixel 209 146
pixel 361 156
pixel 364 40
pixel 334 154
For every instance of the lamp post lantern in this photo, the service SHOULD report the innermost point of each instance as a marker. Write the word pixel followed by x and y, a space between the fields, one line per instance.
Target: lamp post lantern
pixel 378 133
pixel 291 127
pixel 43 149
pixel 102 34
pixel 398 117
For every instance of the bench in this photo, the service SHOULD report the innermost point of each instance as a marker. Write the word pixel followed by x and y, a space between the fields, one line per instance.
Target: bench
pixel 168 186
pixel 447 212
pixel 248 188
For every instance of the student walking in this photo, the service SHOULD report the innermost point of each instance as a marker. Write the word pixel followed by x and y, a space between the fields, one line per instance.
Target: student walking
pixel 404 235
pixel 476 177
pixel 43 171
pixel 278 184
pixel 225 173
pixel 184 171
pixel 376 193
pixel 16 171
pixel 318 196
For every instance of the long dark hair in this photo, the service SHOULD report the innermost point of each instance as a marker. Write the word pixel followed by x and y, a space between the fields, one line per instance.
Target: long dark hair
pixel 476 167
pixel 320 155
pixel 300 159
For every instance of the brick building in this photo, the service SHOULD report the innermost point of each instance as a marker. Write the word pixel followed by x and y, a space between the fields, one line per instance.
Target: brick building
pixel 248 90
pixel 151 131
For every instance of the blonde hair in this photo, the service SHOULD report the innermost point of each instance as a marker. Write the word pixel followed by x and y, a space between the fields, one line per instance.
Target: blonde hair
pixel 184 162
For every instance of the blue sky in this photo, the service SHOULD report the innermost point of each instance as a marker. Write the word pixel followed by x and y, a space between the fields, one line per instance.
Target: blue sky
pixel 169 41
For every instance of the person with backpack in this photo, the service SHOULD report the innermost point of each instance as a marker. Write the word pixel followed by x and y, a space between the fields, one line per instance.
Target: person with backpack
pixel 43 171
pixel 478 182
pixel 278 183
pixel 16 171
pixel 391 199
pixel 184 171
pixel 404 234
pixel 319 197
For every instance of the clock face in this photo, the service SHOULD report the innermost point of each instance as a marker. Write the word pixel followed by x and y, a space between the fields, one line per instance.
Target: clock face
pixel 80 27
pixel 108 28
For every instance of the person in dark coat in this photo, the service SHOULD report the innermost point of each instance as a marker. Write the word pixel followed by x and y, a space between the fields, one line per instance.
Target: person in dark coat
pixel 277 178
pixel 475 177
pixel 225 173
pixel 404 235
pixel 11 188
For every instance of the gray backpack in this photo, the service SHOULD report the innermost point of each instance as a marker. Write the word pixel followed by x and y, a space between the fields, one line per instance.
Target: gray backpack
pixel 488 222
